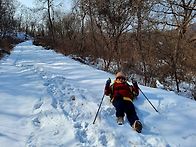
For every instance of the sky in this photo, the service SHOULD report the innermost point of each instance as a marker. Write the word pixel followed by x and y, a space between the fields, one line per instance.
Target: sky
pixel 50 100
pixel 31 3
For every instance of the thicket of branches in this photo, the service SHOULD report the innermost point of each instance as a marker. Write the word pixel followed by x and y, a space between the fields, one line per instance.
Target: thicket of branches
pixel 8 25
pixel 151 38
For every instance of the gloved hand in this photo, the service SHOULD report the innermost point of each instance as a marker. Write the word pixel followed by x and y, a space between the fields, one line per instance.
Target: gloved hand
pixel 108 82
pixel 134 82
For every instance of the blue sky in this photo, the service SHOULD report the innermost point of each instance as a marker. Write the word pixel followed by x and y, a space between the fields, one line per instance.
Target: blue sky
pixel 30 3
pixel 27 2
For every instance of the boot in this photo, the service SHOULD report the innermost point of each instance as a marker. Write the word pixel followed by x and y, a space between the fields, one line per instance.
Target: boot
pixel 137 126
pixel 120 120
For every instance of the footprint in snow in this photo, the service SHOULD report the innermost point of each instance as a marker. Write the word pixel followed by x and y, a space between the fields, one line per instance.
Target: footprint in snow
pixel 36 122
pixel 81 133
pixel 38 104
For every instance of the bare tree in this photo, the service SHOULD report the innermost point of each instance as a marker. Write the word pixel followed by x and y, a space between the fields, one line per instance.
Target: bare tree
pixel 143 8
pixel 7 22
pixel 179 15
pixel 48 5
pixel 110 19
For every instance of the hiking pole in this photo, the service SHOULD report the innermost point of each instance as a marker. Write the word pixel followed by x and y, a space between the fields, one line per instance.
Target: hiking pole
pixel 148 100
pixel 98 108
pixel 132 79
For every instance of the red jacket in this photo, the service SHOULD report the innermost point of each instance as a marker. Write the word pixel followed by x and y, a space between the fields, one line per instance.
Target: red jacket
pixel 126 91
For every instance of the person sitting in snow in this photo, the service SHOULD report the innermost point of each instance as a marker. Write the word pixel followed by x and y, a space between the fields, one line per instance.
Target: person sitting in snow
pixel 122 95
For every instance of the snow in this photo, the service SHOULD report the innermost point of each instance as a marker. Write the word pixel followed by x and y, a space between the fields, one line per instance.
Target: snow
pixel 22 36
pixel 49 100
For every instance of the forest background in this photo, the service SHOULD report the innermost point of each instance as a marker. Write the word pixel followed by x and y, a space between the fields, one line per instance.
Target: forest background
pixel 153 41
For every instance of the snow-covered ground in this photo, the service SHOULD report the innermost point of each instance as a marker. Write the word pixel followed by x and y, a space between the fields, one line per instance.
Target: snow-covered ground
pixel 48 100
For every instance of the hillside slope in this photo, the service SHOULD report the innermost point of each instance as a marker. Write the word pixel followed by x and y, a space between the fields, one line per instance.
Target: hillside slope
pixel 48 100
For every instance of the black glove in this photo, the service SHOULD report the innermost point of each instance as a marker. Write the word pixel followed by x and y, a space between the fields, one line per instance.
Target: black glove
pixel 134 83
pixel 108 82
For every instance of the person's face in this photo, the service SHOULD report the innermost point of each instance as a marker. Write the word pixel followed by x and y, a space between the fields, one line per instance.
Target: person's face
pixel 120 79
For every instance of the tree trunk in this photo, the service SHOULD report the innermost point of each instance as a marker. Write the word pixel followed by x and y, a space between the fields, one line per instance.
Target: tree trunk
pixel 51 28
pixel 139 39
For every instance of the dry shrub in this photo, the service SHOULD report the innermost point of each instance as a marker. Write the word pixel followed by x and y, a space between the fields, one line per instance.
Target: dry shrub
pixel 6 44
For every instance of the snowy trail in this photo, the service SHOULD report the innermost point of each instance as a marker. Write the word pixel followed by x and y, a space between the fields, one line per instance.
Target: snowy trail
pixel 54 100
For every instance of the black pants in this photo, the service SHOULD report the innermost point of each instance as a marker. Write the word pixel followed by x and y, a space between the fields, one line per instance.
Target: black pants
pixel 125 107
